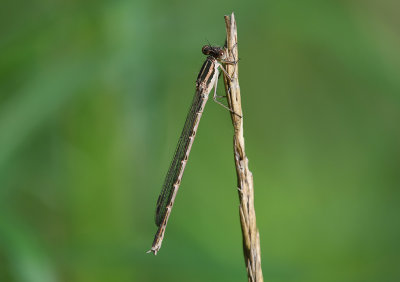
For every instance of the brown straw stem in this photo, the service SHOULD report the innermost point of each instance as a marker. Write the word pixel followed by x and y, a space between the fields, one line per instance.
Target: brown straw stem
pixel 251 238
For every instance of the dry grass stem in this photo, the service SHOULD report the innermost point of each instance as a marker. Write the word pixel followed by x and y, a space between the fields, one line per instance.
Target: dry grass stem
pixel 251 238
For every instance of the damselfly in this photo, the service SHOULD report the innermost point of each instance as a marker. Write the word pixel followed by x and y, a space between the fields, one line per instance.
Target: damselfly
pixel 206 80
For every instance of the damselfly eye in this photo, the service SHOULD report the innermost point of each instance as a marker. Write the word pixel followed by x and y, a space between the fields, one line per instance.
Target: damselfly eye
pixel 221 53
pixel 205 50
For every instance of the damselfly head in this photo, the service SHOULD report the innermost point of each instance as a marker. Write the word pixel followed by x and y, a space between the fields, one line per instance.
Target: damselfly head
pixel 215 51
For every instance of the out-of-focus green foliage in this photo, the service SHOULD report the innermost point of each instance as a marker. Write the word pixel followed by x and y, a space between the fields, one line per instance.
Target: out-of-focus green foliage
pixel 93 96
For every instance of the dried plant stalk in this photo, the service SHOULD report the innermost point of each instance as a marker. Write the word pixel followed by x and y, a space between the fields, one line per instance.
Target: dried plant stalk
pixel 251 238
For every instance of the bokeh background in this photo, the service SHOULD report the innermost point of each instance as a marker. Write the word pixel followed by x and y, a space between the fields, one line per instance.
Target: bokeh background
pixel 93 95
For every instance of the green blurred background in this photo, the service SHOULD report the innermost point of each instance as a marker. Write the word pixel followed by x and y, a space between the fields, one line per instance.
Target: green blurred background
pixel 93 95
